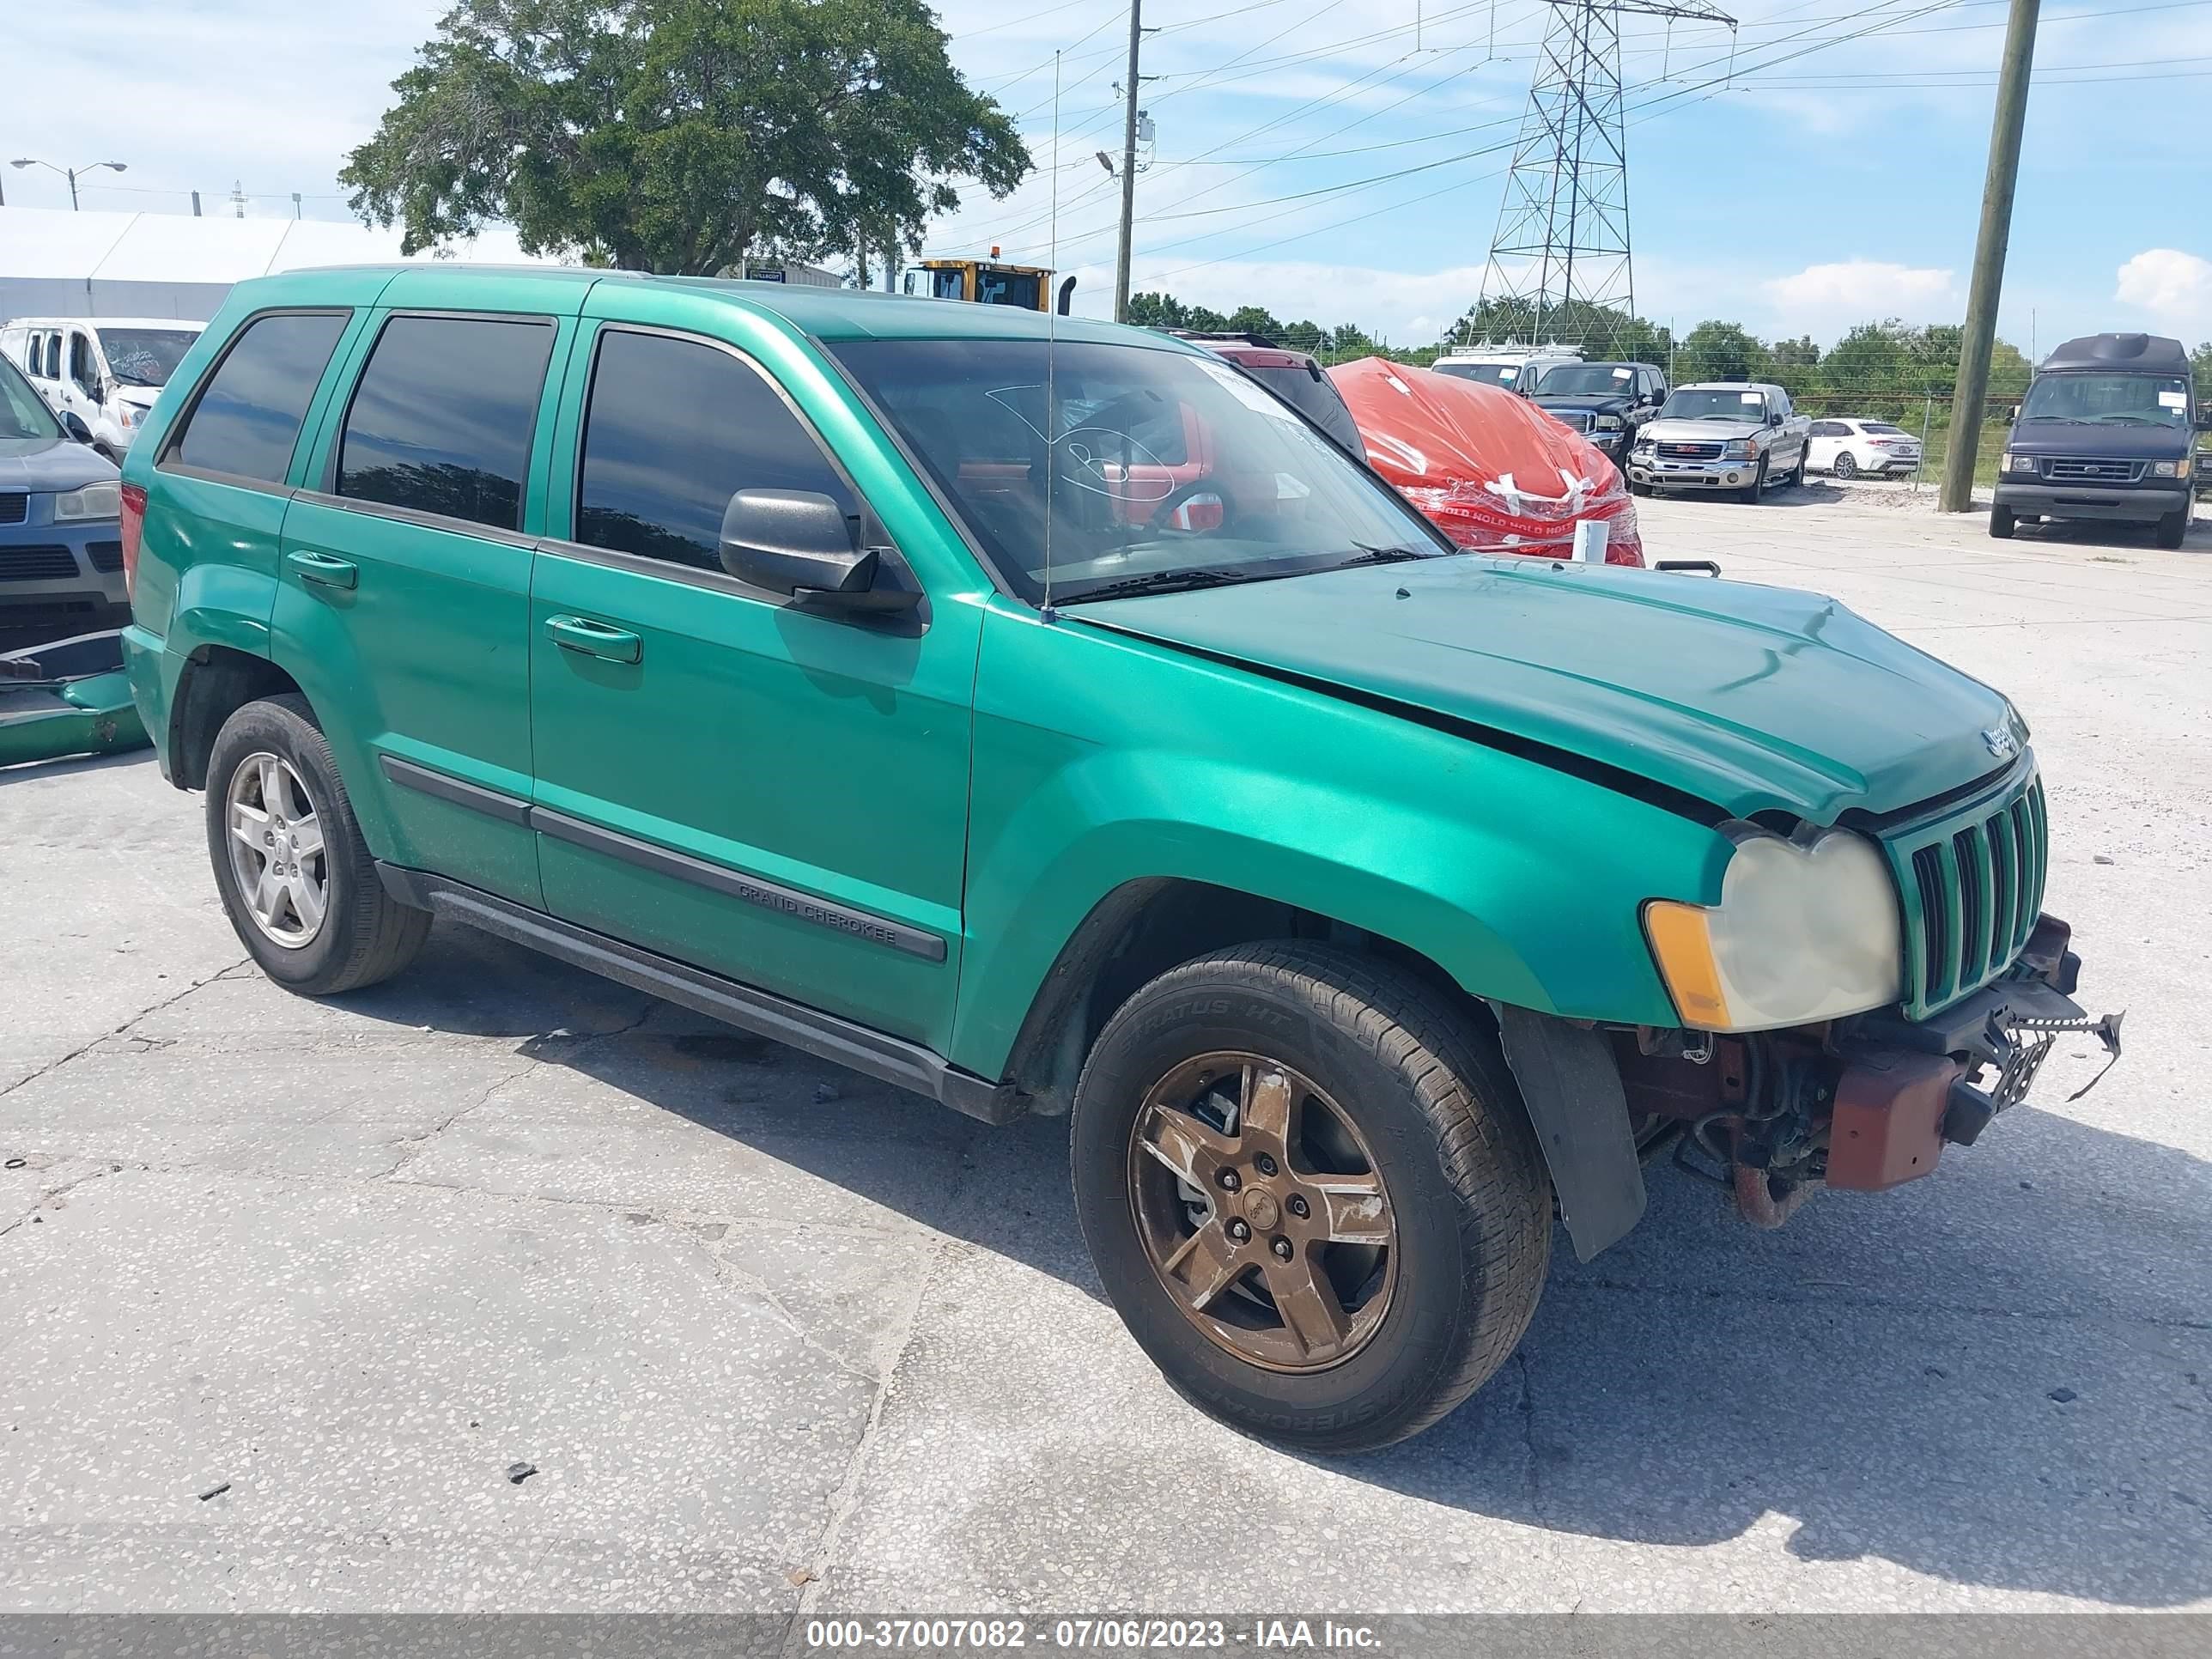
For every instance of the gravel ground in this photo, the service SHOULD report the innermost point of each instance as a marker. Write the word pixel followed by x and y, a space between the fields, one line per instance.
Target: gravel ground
pixel 291 1286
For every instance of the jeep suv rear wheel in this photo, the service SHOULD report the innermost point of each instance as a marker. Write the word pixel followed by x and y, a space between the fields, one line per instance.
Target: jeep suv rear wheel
pixel 295 877
pixel 1311 1192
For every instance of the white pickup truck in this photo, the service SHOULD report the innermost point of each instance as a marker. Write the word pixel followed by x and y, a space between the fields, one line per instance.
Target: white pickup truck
pixel 1721 436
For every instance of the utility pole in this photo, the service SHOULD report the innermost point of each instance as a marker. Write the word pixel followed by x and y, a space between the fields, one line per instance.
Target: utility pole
pixel 1957 494
pixel 1129 164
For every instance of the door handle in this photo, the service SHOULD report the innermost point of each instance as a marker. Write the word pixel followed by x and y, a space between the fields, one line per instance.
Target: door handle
pixel 591 638
pixel 321 568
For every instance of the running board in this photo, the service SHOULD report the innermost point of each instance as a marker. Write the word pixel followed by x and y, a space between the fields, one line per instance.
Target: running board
pixel 875 1054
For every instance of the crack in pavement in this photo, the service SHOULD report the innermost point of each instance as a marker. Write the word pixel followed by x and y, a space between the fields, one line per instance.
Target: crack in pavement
pixel 411 1147
pixel 752 1286
pixel 53 1066
pixel 848 1499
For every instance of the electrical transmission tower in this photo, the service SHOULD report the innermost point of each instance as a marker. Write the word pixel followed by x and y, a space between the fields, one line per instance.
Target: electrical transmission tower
pixel 1561 256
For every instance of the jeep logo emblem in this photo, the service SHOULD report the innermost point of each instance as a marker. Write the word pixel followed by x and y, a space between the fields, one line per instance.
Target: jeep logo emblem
pixel 2000 742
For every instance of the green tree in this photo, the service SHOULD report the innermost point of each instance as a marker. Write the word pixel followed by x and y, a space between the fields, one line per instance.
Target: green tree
pixel 1255 319
pixel 1720 351
pixel 1156 311
pixel 676 135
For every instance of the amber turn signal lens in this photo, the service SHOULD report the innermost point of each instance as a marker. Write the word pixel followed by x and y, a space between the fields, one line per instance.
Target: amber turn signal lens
pixel 1684 949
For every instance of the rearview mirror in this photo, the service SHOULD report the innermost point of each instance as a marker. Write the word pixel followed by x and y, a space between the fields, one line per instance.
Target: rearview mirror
pixel 1774 420
pixel 73 423
pixel 800 543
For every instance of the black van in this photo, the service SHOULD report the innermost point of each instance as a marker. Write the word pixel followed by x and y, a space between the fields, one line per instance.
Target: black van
pixel 2107 431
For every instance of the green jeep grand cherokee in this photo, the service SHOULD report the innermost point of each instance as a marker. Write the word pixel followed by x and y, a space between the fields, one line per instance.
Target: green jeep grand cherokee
pixel 1054 721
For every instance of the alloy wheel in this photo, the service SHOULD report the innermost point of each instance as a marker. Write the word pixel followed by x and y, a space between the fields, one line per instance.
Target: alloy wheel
pixel 276 850
pixel 1261 1211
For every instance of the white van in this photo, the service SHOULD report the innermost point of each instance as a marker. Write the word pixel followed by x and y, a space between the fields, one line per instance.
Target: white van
pixel 107 371
pixel 1512 366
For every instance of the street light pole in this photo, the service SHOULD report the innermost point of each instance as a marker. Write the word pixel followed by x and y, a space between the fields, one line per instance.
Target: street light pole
pixel 1128 164
pixel 69 174
pixel 1957 494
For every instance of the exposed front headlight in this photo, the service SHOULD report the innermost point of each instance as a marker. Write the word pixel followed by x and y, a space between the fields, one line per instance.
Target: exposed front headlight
pixel 94 500
pixel 2170 468
pixel 1608 422
pixel 1806 929
pixel 1741 449
pixel 126 416
pixel 2019 463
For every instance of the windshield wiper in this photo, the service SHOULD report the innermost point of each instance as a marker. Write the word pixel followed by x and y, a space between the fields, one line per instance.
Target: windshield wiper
pixel 1160 581
pixel 132 380
pixel 1368 555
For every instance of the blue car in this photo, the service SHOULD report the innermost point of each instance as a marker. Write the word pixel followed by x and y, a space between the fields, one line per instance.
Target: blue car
pixel 61 531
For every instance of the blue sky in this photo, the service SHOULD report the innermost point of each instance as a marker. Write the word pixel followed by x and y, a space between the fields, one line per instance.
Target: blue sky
pixel 1804 196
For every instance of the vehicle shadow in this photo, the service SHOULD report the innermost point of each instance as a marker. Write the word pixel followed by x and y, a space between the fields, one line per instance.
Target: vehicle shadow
pixel 2000 1377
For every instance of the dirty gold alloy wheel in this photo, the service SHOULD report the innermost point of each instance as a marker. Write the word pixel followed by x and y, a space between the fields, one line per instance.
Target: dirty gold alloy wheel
pixel 276 850
pixel 1260 1208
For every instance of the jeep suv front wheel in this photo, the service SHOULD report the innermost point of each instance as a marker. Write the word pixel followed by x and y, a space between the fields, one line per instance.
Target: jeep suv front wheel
pixel 1311 1192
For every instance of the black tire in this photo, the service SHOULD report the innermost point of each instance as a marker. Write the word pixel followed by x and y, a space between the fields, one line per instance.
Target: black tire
pixel 1846 465
pixel 2172 527
pixel 1427 1090
pixel 1804 463
pixel 2001 523
pixel 365 934
pixel 1752 493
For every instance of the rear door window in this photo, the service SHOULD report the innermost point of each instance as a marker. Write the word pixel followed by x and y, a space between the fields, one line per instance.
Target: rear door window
pixel 246 420
pixel 655 477
pixel 441 421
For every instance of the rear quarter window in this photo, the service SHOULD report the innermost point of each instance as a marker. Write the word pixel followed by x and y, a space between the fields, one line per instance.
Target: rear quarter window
pixel 247 418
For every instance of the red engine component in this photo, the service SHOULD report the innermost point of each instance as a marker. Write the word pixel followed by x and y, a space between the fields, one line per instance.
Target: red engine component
pixel 1487 467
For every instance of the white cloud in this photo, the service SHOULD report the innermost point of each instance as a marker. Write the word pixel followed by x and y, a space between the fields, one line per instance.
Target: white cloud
pixel 1864 287
pixel 2174 288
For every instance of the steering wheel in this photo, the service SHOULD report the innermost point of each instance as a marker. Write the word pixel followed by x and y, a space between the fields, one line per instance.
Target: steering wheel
pixel 1162 515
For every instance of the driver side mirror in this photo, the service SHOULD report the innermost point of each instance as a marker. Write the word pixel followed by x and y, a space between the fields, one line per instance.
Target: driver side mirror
pixel 73 423
pixel 1774 420
pixel 798 543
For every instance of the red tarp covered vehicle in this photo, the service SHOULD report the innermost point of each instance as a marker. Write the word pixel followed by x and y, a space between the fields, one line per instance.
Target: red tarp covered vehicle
pixel 1488 468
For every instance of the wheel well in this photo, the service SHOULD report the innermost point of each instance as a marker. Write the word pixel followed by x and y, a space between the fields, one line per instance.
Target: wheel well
pixel 216 683
pixel 1136 933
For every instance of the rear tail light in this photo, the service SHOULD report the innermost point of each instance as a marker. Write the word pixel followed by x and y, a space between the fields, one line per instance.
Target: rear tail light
pixel 134 526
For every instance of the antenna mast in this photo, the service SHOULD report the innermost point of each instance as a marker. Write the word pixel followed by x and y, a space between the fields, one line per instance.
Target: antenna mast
pixel 1051 343
pixel 1561 251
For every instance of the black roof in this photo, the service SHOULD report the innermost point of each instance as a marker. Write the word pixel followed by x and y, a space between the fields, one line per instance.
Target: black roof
pixel 2152 353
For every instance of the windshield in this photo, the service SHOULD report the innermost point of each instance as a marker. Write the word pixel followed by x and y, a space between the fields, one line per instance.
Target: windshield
pixel 1007 287
pixel 1727 404
pixel 1504 374
pixel 2109 400
pixel 1165 469
pixel 1585 381
pixel 23 413
pixel 145 356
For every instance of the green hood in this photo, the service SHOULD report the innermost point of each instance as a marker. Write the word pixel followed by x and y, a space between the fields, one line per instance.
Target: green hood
pixel 1753 699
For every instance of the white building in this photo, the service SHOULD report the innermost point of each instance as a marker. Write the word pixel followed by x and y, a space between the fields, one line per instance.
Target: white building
pixel 59 264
